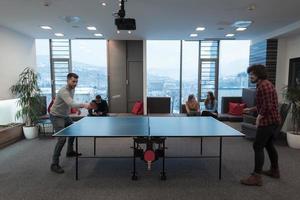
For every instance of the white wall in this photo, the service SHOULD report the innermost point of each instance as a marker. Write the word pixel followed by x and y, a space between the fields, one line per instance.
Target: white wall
pixel 287 48
pixel 17 51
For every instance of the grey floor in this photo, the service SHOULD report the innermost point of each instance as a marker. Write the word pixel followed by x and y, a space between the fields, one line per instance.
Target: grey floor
pixel 25 174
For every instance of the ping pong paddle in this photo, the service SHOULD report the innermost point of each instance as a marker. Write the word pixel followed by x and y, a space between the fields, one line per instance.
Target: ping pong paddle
pixel 149 156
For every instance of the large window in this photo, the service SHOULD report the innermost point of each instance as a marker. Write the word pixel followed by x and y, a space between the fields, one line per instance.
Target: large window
pixel 190 64
pixel 89 61
pixel 163 70
pixel 234 60
pixel 43 67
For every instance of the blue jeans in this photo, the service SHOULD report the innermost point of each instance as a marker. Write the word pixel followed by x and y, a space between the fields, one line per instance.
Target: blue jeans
pixel 60 123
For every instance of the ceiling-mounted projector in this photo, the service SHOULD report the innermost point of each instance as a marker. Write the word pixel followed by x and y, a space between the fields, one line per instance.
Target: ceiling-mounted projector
pixel 123 23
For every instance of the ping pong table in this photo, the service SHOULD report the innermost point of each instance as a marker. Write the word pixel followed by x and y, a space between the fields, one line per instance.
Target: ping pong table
pixel 151 131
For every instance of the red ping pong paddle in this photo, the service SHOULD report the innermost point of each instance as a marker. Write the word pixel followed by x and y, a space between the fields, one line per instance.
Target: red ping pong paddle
pixel 149 156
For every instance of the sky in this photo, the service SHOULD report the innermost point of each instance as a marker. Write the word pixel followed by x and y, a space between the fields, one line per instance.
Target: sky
pixel 163 56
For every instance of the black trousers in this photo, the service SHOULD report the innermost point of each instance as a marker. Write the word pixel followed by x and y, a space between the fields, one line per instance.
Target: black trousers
pixel 264 139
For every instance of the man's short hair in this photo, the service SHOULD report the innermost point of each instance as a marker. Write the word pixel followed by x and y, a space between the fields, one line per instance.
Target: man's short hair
pixel 258 70
pixel 98 96
pixel 70 75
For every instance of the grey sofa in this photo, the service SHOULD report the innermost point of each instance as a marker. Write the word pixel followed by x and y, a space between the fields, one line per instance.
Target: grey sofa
pixel 158 105
pixel 249 128
pixel 248 97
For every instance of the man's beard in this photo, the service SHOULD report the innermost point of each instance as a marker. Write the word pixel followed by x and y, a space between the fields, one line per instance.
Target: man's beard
pixel 253 81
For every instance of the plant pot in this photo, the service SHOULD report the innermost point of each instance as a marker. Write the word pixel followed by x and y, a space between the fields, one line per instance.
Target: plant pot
pixel 30 132
pixel 293 139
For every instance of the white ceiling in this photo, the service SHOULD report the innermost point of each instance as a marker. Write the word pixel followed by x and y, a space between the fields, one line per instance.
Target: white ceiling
pixel 155 19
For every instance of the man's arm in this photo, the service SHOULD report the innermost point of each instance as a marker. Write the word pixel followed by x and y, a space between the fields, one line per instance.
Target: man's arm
pixel 251 109
pixel 71 103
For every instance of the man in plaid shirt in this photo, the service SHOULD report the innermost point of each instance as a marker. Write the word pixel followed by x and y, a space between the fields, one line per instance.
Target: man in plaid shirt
pixel 267 122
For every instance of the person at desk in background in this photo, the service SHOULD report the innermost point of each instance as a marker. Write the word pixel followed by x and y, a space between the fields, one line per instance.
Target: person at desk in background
pixel 101 108
pixel 211 105
pixel 192 106
pixel 267 122
pixel 59 116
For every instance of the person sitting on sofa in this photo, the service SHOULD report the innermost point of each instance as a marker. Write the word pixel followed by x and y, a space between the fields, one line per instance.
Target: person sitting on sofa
pixel 211 105
pixel 192 106
pixel 101 108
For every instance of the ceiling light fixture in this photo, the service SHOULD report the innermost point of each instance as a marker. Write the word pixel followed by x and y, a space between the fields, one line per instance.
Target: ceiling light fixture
pixel 59 34
pixel 103 4
pixel 242 24
pixel 71 19
pixel 251 7
pixel 98 35
pixel 91 28
pixel 230 35
pixel 118 31
pixel 129 32
pixel 200 28
pixel 46 27
pixel 241 29
pixel 193 35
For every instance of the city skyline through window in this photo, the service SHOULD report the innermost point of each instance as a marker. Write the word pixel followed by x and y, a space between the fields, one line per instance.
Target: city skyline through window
pixel 234 61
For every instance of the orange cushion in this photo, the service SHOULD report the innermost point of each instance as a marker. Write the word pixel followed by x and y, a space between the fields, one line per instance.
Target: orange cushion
pixel 236 108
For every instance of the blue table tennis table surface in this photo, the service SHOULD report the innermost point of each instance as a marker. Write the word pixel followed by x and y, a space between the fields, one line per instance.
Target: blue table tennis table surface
pixel 144 126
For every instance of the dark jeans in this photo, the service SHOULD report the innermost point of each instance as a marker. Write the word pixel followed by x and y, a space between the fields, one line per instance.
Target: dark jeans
pixel 264 139
pixel 60 123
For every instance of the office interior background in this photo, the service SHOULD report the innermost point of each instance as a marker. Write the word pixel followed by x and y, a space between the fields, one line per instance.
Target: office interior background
pixel 179 48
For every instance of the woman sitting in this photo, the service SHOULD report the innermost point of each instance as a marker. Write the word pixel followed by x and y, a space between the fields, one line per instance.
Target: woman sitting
pixel 211 105
pixel 192 106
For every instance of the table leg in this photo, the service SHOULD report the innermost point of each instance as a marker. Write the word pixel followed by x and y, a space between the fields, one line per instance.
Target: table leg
pixel 163 173
pixel 134 176
pixel 94 146
pixel 76 158
pixel 220 158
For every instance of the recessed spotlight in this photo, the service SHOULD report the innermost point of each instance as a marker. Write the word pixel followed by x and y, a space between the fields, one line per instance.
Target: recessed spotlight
pixel 193 35
pixel 129 32
pixel 200 28
pixel 59 34
pixel 230 35
pixel 91 28
pixel 46 27
pixel 98 35
pixel 118 31
pixel 251 7
pixel 103 4
pixel 241 29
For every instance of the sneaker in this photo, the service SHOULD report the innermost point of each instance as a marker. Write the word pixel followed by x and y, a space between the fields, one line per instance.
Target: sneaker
pixel 73 154
pixel 253 180
pixel 274 173
pixel 57 169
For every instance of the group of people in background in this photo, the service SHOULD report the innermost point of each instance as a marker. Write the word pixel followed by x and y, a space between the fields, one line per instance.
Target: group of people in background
pixel 210 106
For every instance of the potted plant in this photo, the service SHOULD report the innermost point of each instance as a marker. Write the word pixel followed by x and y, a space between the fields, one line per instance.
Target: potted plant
pixel 28 92
pixel 292 95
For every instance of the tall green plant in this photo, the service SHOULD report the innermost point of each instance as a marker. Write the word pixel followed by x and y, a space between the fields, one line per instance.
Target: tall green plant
pixel 28 92
pixel 292 95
